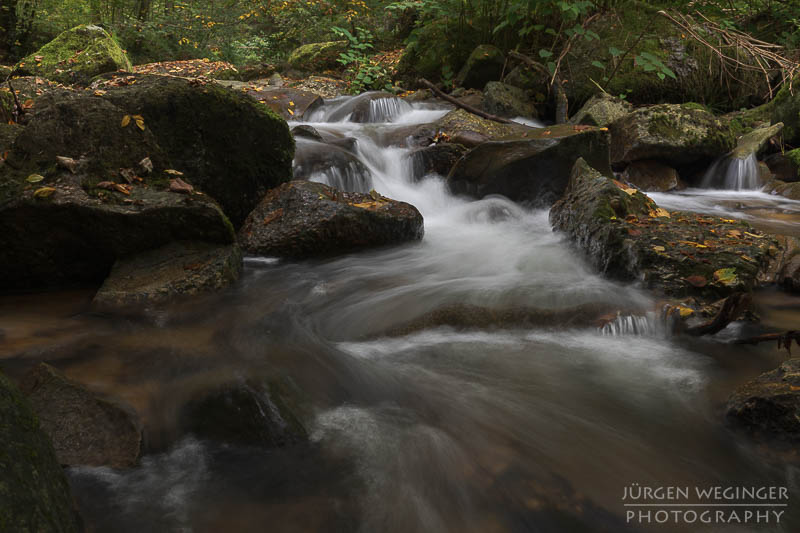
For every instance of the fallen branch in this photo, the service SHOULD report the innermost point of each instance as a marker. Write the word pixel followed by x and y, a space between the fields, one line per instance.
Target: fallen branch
pixel 732 308
pixel 465 107
pixel 784 339
pixel 19 111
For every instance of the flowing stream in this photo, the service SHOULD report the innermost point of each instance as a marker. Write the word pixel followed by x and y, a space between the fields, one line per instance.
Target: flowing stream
pixel 437 429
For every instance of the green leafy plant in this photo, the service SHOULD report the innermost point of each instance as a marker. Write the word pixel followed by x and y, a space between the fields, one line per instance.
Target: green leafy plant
pixel 365 73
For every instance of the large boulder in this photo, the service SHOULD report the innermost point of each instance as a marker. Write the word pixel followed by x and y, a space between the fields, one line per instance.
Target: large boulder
pixel 626 236
pixel 177 269
pixel 229 146
pixel 76 56
pixel 533 170
pixel 483 65
pixel 253 413
pixel 680 134
pixel 768 407
pixel 34 494
pixel 307 219
pixel 86 428
pixel 437 158
pixel 190 68
pixel 601 110
pixel 508 101
pixel 316 57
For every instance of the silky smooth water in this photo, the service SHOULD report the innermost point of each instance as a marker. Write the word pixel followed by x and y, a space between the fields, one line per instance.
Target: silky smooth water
pixel 440 429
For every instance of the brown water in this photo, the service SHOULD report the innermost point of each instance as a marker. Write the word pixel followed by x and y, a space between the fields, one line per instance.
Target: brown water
pixel 440 430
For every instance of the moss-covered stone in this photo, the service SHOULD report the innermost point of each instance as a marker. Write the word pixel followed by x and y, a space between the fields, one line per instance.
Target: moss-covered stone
pixel 626 236
pixel 317 57
pixel 34 494
pixel 76 56
pixel 227 145
pixel 507 101
pixel 755 142
pixel 669 132
pixel 601 110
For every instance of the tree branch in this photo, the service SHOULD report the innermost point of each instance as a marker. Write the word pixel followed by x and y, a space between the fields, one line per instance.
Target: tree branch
pixel 465 107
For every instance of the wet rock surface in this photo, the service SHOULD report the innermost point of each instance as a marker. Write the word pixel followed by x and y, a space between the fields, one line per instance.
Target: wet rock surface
pixel 305 219
pixel 507 101
pixel 163 274
pixel 437 158
pixel 768 407
pixel 534 171
pixel 340 168
pixel 34 494
pixel 626 236
pixel 86 429
pixel 676 133
pixel 651 176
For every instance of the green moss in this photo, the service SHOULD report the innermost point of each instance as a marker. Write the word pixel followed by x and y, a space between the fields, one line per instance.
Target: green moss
pixel 664 125
pixel 696 106
pixel 76 55
pixel 317 57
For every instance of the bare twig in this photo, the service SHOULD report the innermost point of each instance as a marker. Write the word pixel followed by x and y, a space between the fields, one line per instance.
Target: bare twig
pixel 462 105
pixel 784 339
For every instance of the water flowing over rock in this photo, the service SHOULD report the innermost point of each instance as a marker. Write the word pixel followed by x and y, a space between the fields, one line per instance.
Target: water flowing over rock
pixel 767 407
pixel 676 133
pixel 755 142
pixel 253 413
pixel 437 158
pixel 34 494
pixel 76 56
pixel 305 219
pixel 534 171
pixel 626 236
pixel 161 275
pixel 86 429
pixel 734 173
pixel 331 165
pixel 366 107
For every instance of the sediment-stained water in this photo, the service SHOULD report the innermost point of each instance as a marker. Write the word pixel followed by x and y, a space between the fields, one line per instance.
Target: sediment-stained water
pixel 437 429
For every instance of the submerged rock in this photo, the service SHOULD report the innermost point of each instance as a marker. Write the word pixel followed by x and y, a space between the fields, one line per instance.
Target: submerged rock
pixel 306 219
pixel 534 170
pixel 679 134
pixel 252 413
pixel 601 110
pixel 34 494
pixel 768 407
pixel 177 269
pixel 483 65
pixel 626 236
pixel 507 101
pixel 316 57
pixel 86 429
pixel 651 176
pixel 76 56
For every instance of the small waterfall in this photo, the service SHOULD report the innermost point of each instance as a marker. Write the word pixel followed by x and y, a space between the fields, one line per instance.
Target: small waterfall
pixel 627 325
pixel 385 109
pixel 733 173
pixel 351 177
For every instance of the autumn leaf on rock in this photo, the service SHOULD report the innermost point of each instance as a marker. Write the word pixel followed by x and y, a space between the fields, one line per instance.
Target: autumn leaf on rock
pixel 726 276
pixel 43 192
pixel 125 121
pixel 180 186
pixel 67 163
pixel 34 178
pixel 173 172
pixel 697 281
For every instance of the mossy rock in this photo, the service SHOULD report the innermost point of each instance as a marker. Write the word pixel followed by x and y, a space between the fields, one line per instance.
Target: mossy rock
pixel 785 107
pixel 671 133
pixel 483 65
pixel 601 110
pixel 505 100
pixel 317 57
pixel 76 56
pixel 8 132
pixel 34 494
pixel 626 236
pixel 229 146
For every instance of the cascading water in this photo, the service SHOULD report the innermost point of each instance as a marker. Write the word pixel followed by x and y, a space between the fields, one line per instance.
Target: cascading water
pixel 733 173
pixel 514 428
pixel 386 109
